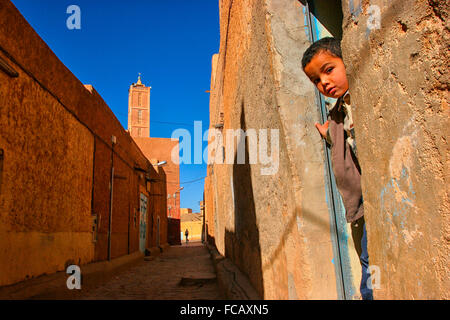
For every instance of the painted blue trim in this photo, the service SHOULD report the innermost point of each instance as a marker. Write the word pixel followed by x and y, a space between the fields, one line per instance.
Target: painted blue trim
pixel 338 223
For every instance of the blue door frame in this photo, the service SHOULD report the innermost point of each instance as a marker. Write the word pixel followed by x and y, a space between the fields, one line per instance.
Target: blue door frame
pixel 338 223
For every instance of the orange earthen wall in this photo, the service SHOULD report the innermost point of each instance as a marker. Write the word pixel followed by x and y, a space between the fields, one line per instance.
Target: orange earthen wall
pixel 48 158
pixel 161 149
pixel 158 205
pixel 56 136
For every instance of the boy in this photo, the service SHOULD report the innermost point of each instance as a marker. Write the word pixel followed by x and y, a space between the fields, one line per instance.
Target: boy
pixel 322 62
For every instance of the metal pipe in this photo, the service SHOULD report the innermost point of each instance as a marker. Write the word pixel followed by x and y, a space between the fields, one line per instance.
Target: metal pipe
pixel 4 66
pixel 111 190
pixel 1 168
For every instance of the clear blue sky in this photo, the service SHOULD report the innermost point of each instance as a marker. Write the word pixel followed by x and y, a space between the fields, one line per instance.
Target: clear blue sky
pixel 171 42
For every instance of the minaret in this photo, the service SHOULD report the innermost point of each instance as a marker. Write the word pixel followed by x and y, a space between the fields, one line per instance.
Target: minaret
pixel 139 109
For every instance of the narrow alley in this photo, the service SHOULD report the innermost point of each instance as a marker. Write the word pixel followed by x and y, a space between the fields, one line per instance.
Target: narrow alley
pixel 180 272
pixel 224 150
pixel 184 272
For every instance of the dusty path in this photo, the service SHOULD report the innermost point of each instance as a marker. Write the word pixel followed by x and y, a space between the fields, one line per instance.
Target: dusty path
pixel 182 272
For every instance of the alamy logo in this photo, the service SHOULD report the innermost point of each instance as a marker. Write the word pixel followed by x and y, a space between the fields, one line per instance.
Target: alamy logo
pixel 252 144
pixel 74 20
pixel 374 20
pixel 374 281
pixel 74 281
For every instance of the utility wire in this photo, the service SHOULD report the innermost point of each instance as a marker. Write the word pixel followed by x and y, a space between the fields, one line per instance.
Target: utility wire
pixel 193 180
pixel 177 123
pixel 186 182
pixel 161 122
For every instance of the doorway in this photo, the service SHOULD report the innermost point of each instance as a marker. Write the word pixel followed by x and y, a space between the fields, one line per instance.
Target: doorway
pixel 143 223
pixel 324 19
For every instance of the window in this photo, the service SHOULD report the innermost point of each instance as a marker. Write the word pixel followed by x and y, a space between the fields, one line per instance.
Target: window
pixel 139 99
pixel 140 116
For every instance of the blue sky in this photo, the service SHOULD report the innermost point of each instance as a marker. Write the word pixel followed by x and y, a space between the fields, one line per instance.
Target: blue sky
pixel 171 42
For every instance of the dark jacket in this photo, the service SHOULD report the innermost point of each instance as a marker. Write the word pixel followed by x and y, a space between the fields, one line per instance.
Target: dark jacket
pixel 345 163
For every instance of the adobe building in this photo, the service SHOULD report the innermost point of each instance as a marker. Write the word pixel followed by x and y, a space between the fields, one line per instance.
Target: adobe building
pixel 184 211
pixel 158 223
pixel 287 231
pixel 193 222
pixel 74 186
pixel 203 213
pixel 161 150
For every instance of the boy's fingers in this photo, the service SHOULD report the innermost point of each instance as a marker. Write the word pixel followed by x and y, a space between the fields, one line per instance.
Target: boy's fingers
pixel 321 129
pixel 318 126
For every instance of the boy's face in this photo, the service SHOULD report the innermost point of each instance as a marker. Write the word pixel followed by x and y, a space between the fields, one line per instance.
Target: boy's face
pixel 327 72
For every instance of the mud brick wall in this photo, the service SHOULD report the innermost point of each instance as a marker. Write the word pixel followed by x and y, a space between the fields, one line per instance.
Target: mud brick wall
pixel 399 83
pixel 274 227
pixel 55 135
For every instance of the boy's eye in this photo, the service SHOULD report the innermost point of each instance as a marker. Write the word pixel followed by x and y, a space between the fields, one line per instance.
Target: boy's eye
pixel 329 70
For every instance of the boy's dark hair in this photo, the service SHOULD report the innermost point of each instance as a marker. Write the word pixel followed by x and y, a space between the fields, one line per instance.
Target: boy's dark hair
pixel 329 44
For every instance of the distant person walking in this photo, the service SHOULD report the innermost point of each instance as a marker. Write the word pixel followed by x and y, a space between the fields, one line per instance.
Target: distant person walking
pixel 186 233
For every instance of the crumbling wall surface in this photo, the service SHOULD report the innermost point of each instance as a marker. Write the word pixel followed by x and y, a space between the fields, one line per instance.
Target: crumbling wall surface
pixel 399 85
pixel 272 224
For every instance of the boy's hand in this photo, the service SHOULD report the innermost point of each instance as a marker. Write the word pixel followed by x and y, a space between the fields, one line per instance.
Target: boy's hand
pixel 323 129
